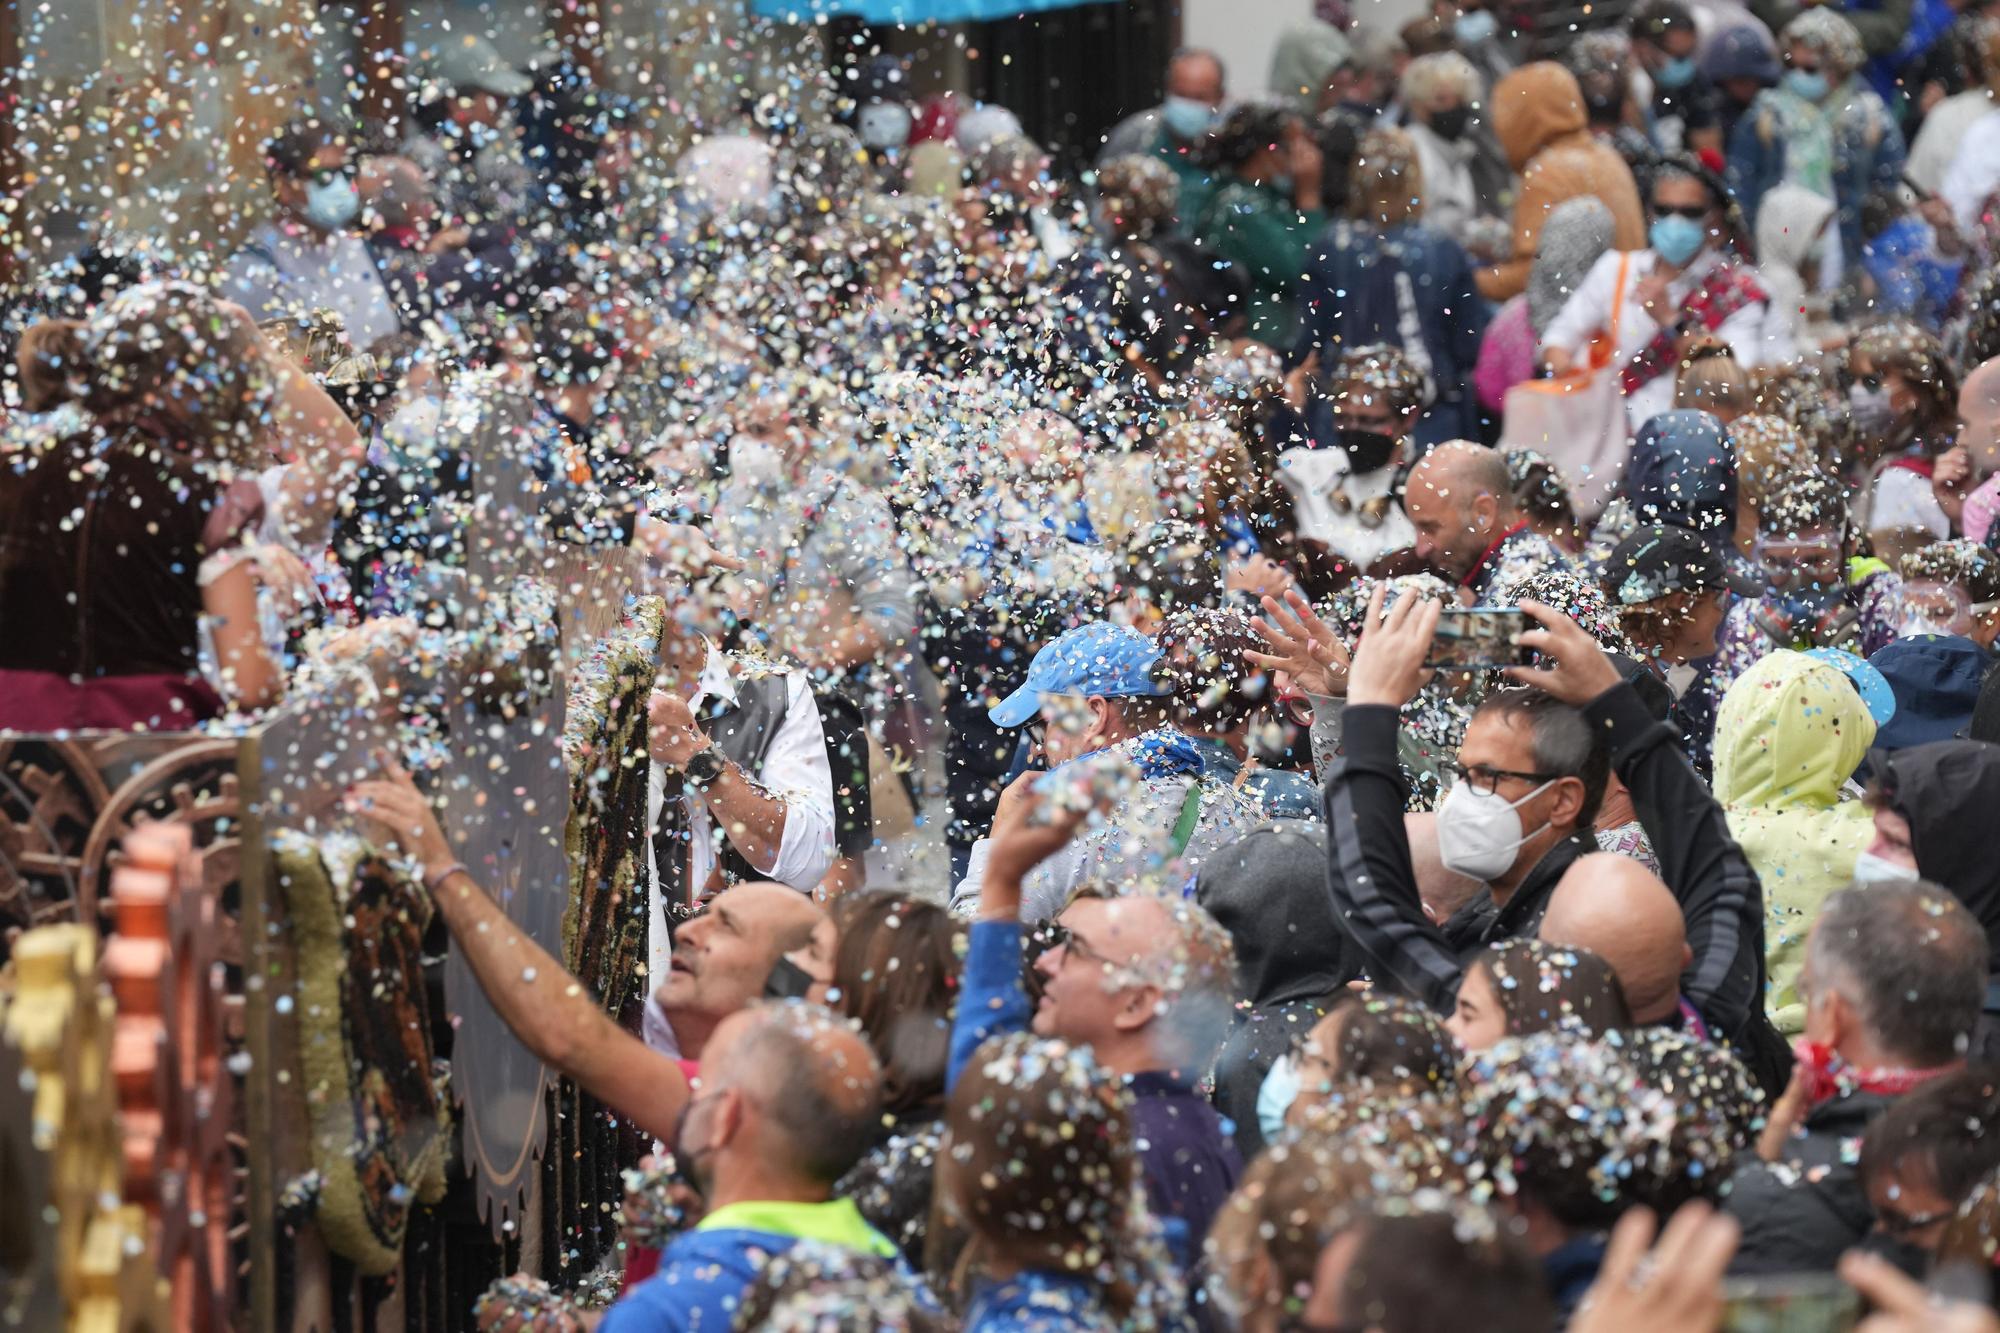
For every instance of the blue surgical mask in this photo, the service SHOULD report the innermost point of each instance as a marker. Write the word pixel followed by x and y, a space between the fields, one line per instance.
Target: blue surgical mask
pixel 332 204
pixel 1809 84
pixel 1676 73
pixel 1186 118
pixel 1275 1097
pixel 1474 28
pixel 1676 239
pixel 883 125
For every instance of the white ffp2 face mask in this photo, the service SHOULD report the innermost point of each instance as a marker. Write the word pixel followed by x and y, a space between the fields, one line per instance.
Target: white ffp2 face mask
pixel 1872 871
pixel 1479 833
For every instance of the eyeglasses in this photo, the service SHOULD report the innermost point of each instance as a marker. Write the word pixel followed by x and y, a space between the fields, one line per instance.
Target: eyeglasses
pixel 1692 212
pixel 1073 945
pixel 328 175
pixel 1485 781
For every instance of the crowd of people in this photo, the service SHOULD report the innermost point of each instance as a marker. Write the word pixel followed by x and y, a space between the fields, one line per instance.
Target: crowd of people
pixel 1123 531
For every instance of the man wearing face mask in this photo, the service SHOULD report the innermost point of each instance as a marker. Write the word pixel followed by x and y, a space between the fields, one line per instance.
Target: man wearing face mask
pixel 1343 485
pixel 1097 689
pixel 1195 93
pixel 1530 775
pixel 1931 804
pixel 307 258
pixel 1686 284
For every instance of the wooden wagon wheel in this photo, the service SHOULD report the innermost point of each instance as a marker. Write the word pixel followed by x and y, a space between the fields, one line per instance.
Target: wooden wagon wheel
pixel 51 793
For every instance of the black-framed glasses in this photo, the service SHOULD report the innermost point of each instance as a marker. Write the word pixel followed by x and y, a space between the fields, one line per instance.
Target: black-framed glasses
pixel 328 175
pixel 1485 781
pixel 1059 936
pixel 1692 212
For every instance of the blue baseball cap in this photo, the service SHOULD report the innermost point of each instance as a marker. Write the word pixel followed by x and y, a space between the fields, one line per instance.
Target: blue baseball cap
pixel 1095 659
pixel 1871 684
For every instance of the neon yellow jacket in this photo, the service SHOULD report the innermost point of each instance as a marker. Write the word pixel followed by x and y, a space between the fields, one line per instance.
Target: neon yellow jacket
pixel 1790 731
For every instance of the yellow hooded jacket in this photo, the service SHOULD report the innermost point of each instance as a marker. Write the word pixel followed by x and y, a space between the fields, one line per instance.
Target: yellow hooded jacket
pixel 1790 731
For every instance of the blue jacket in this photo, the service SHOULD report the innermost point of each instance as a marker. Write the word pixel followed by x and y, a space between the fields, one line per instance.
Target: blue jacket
pixel 1036 1302
pixel 1868 153
pixel 1189 1164
pixel 703 1273
pixel 1911 277
pixel 1350 299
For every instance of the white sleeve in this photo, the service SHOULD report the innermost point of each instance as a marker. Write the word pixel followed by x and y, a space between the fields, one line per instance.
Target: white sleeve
pixel 1904 499
pixel 1588 308
pixel 965 894
pixel 1973 172
pixel 1043 893
pixel 1745 333
pixel 796 772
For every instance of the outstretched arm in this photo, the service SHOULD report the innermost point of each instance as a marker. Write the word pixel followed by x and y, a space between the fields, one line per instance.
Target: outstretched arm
pixel 542 1004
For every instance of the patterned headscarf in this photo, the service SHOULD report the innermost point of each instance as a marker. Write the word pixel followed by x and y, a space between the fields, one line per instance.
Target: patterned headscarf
pixel 1830 37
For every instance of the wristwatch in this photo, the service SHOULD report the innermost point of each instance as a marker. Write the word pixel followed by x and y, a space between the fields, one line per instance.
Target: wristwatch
pixel 703 768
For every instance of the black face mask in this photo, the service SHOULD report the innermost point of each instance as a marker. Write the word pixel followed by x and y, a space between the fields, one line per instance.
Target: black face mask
pixel 1605 108
pixel 1451 123
pixel 1367 450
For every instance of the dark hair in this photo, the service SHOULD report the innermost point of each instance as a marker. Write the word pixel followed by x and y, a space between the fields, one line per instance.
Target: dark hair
pixel 1562 740
pixel 1949 1128
pixel 895 973
pixel 1911 960
pixel 1804 502
pixel 1043 1165
pixel 1539 490
pixel 1215 687
pixel 1246 129
pixel 1544 987
pixel 1172 565
pixel 50 354
pixel 1392 1046
pixel 291 150
pixel 1416 1272
pixel 1656 18
pixel 1588 1127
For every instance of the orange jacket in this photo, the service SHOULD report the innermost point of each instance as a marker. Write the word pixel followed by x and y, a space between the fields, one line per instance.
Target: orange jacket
pixel 1539 119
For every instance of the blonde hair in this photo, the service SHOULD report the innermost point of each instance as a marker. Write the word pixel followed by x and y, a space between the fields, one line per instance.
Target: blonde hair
pixel 1387 183
pixel 1715 383
pixel 1444 72
pixel 50 357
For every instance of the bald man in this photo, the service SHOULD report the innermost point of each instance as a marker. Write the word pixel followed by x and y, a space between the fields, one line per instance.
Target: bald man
pixel 1979 445
pixel 1146 981
pixel 1620 911
pixel 720 964
pixel 790 1097
pixel 1461 502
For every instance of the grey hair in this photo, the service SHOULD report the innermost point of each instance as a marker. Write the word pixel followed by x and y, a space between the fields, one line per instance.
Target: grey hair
pixel 1912 962
pixel 1441 71
pixel 827 1105
pixel 1200 53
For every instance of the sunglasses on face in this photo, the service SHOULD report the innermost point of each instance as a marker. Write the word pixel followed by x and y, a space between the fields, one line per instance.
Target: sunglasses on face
pixel 328 175
pixel 1692 212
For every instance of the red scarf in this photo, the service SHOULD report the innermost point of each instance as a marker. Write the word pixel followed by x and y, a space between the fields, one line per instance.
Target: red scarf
pixel 1828 1076
pixel 1726 288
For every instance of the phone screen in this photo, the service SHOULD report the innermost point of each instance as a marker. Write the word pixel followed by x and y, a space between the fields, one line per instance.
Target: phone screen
pixel 788 981
pixel 1479 636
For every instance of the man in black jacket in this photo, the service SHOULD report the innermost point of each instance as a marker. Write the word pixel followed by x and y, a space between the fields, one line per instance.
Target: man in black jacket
pixel 1524 821
pixel 1893 979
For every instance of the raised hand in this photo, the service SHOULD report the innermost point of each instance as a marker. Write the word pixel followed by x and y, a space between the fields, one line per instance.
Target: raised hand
pixel 1388 666
pixel 1675 1289
pixel 1303 646
pixel 1580 670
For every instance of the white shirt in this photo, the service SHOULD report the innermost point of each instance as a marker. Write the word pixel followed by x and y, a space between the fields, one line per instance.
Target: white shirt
pixel 1974 173
pixel 1904 499
pixel 1752 333
pixel 1315 476
pixel 1451 201
pixel 287 275
pixel 795 770
pixel 1943 134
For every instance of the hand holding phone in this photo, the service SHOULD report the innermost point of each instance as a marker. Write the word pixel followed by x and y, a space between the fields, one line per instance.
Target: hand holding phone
pixel 1476 637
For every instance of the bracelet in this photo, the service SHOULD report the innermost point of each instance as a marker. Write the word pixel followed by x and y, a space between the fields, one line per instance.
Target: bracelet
pixel 434 882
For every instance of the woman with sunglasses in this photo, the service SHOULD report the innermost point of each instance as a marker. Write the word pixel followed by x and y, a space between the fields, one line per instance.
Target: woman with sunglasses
pixel 1689 286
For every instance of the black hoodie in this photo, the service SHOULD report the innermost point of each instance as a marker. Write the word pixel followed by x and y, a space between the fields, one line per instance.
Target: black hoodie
pixel 1268 890
pixel 1948 791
